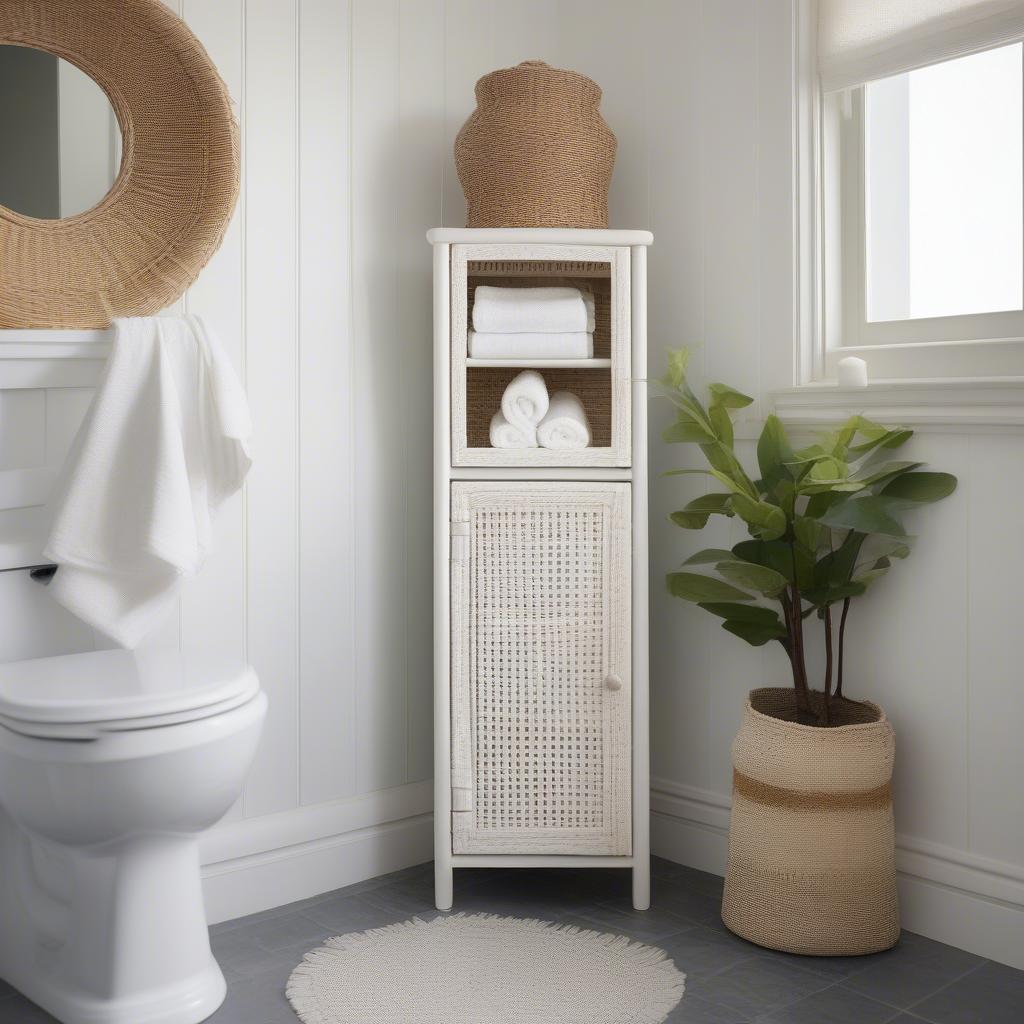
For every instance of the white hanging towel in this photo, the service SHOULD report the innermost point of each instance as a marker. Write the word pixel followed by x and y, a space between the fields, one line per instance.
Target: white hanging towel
pixel 565 426
pixel 162 446
pixel 525 402
pixel 546 310
pixel 570 345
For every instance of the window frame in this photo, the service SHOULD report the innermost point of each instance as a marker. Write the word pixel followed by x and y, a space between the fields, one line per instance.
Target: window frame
pixel 972 346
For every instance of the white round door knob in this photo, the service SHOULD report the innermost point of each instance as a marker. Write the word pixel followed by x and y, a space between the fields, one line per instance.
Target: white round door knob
pixel 613 683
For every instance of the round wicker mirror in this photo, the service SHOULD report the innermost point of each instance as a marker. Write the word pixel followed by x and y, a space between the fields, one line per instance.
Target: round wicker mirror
pixel 141 246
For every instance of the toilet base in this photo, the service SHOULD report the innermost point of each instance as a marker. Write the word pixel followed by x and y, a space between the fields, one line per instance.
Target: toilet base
pixel 116 935
pixel 190 1002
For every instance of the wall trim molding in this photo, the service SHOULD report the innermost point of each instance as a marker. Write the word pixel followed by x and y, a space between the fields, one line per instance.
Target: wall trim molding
pixel 982 404
pixel 951 895
pixel 260 863
pixel 255 864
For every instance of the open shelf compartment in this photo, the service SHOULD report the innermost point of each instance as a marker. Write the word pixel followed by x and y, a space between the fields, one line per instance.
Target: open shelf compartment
pixel 601 383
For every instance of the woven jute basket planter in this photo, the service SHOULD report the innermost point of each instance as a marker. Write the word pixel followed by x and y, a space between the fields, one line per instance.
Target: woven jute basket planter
pixel 811 843
pixel 536 152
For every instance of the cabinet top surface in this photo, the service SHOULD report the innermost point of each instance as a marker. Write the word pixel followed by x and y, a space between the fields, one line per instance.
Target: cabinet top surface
pixel 547 236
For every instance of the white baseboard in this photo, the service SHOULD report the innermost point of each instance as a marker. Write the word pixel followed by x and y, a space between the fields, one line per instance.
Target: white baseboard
pixel 259 863
pixel 949 895
pixel 255 864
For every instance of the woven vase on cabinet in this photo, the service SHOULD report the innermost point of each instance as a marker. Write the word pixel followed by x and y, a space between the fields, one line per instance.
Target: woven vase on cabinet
pixel 536 151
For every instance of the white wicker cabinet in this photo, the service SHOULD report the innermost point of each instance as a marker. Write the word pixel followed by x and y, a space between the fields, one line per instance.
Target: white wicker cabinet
pixel 541 751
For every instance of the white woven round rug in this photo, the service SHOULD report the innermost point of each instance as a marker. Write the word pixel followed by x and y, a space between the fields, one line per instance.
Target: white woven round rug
pixel 484 969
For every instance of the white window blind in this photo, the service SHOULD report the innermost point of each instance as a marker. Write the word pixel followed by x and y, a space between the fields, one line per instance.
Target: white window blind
pixel 863 40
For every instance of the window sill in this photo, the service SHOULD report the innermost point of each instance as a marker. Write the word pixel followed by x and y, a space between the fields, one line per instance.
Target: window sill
pixel 975 404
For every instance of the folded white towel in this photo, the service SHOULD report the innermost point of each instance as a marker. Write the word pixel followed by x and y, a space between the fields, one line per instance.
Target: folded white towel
pixel 162 446
pixel 566 425
pixel 498 310
pixel 525 402
pixel 504 435
pixel 575 345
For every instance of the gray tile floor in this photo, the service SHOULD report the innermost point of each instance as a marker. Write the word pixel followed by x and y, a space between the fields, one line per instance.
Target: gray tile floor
pixel 729 981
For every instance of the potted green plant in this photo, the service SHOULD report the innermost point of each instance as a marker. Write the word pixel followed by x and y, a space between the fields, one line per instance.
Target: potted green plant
pixel 811 841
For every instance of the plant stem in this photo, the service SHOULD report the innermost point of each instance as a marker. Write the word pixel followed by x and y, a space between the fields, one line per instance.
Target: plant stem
pixel 827 688
pixel 842 634
pixel 803 704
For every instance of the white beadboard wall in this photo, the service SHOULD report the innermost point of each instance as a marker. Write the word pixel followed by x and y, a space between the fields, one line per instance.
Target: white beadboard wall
pixel 322 574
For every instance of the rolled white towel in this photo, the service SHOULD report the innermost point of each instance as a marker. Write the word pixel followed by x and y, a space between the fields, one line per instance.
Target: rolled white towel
pixel 504 435
pixel 498 310
pixel 525 402
pixel 565 426
pixel 575 345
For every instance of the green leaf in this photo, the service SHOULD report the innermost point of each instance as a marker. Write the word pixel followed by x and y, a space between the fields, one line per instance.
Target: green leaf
pixel 755 577
pixel 724 396
pixel 684 430
pixel 880 568
pixel 742 612
pixel 921 487
pixel 690 520
pixel 686 472
pixel 715 501
pixel 828 470
pixel 696 513
pixel 756 634
pixel 692 586
pixel 777 555
pixel 678 360
pixel 869 514
pixel 773 452
pixel 887 471
pixel 822 596
pixel 808 532
pixel 821 502
pixel 708 555
pixel 768 520
pixel 726 468
pixel 888 439
pixel 836 567
pixel 723 425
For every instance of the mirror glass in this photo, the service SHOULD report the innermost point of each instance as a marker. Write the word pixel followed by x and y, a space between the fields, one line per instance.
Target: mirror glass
pixel 60 144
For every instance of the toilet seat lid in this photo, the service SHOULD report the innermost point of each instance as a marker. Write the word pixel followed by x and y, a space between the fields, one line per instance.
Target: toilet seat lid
pixel 124 688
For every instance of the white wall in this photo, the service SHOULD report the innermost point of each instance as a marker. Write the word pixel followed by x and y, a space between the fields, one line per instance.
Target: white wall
pixel 322 574
pixel 937 641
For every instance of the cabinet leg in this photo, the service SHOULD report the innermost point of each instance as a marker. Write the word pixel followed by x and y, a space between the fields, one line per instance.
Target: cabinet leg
pixel 444 885
pixel 642 885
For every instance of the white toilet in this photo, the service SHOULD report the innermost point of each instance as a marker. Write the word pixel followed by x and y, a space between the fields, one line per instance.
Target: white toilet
pixel 112 764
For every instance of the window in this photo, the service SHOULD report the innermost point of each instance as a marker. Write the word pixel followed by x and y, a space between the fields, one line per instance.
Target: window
pixel 923 219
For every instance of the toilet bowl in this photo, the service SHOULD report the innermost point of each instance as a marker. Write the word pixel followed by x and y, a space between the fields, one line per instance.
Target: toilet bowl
pixel 112 764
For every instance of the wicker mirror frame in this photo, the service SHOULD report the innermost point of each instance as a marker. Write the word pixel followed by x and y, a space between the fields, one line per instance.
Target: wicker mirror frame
pixel 146 241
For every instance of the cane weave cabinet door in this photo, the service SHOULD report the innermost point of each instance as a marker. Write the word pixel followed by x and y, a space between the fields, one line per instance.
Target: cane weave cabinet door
pixel 540 667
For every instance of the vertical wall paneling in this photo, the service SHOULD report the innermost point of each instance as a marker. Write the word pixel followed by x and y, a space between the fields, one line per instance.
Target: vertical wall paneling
pixel 729 85
pixel 327 393
pixel 907 650
pixel 776 224
pixel 421 163
pixel 992 695
pixel 272 345
pixel 471 27
pixel 381 436
pixel 681 643
pixel 213 605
